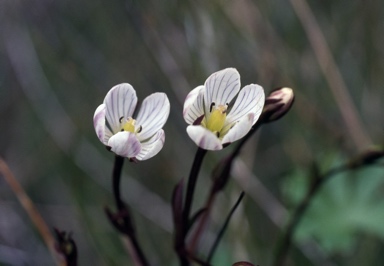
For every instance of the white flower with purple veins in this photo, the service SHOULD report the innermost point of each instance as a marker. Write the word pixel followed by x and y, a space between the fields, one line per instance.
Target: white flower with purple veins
pixel 214 121
pixel 140 138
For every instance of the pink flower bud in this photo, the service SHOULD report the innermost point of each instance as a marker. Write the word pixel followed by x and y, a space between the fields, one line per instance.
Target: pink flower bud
pixel 277 104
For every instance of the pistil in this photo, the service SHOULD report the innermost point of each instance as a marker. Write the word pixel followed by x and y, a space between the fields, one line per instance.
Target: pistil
pixel 217 118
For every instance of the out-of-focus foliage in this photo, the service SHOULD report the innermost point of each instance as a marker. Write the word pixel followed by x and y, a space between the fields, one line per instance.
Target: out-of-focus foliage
pixel 59 58
pixel 348 204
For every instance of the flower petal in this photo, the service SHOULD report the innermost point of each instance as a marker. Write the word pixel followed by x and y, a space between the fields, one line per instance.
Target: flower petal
pixel 102 132
pixel 221 87
pixel 249 100
pixel 194 105
pixel 153 114
pixel 240 129
pixel 151 147
pixel 125 144
pixel 204 138
pixel 120 102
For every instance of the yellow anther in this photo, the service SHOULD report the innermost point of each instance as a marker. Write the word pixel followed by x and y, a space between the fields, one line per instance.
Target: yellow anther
pixel 216 120
pixel 129 125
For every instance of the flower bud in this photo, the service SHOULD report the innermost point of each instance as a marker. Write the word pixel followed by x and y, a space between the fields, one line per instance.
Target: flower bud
pixel 277 104
pixel 66 246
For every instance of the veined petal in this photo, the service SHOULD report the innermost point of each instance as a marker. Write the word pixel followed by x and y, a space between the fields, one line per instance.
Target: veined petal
pixel 125 144
pixel 120 102
pixel 240 129
pixel 249 100
pixel 204 138
pixel 153 114
pixel 102 132
pixel 194 105
pixel 151 147
pixel 221 87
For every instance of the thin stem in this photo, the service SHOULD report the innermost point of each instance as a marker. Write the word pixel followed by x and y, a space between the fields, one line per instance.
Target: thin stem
pixel 237 149
pixel 116 177
pixel 31 210
pixel 287 238
pixel 368 157
pixel 183 259
pixel 191 186
pixel 227 163
pixel 219 182
pixel 222 230
pixel 185 219
pixel 126 227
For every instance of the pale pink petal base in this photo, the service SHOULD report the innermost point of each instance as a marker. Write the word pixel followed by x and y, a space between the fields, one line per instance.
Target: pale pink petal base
pixel 99 123
pixel 204 138
pixel 239 130
pixel 125 144
pixel 152 147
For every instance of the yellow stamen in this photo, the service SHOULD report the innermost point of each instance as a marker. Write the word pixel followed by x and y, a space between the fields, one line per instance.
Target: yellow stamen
pixel 129 125
pixel 216 120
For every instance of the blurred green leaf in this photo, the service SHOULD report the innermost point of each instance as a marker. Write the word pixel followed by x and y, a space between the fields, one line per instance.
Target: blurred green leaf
pixel 347 204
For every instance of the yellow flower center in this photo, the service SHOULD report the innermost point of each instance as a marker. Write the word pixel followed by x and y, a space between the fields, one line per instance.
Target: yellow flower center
pixel 216 120
pixel 129 125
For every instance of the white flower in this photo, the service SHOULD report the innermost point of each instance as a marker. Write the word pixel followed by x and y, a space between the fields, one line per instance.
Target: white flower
pixel 140 138
pixel 214 121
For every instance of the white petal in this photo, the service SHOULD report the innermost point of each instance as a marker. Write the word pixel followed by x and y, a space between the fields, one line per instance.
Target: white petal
pixel 249 100
pixel 120 101
pixel 152 147
pixel 204 138
pixel 102 132
pixel 125 144
pixel 221 87
pixel 194 105
pixel 153 114
pixel 240 129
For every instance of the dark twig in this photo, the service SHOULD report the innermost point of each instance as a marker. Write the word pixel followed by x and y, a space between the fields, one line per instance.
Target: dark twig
pixel 222 230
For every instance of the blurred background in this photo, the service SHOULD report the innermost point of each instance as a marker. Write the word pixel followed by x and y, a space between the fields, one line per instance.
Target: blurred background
pixel 58 59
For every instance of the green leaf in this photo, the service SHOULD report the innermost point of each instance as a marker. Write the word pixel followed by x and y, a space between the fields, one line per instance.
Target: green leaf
pixel 347 204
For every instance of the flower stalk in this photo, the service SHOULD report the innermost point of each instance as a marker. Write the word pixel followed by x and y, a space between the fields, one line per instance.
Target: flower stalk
pixel 225 225
pixel 122 219
pixel 200 154
pixel 181 230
